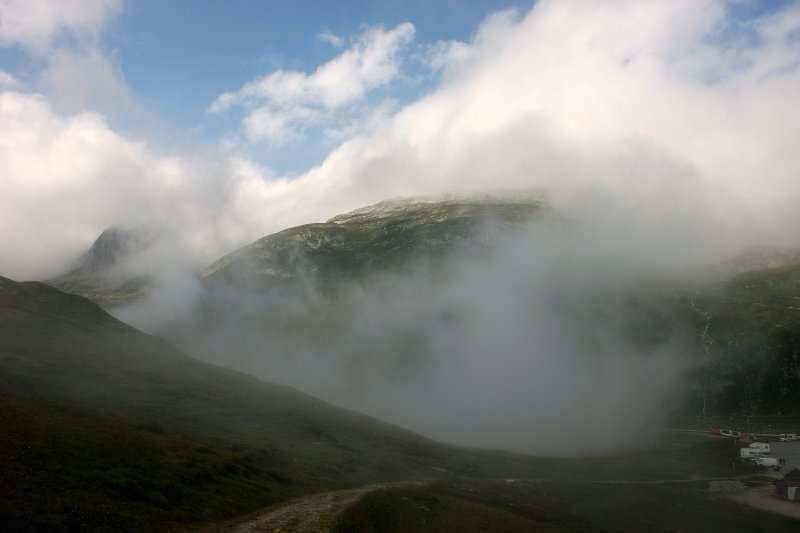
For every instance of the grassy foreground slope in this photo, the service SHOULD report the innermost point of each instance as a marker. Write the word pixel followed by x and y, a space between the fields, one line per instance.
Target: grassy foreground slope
pixel 105 427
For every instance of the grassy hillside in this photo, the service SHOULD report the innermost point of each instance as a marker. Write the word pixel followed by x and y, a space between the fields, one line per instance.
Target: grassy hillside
pixel 748 331
pixel 105 427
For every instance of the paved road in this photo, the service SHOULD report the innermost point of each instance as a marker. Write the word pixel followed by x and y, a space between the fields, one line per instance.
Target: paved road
pixel 789 451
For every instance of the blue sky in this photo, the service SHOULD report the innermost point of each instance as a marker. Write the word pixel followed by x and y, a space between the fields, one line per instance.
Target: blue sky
pixel 176 57
pixel 219 122
pixel 179 56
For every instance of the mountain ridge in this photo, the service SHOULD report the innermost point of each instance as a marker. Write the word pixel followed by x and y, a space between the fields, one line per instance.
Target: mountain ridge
pixel 386 235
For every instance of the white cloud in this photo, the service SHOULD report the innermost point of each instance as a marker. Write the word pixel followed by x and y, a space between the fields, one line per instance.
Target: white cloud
pixel 331 38
pixel 67 177
pixel 605 104
pixel 86 79
pixel 447 54
pixel 281 104
pixel 36 24
pixel 78 73
pixel 7 81
pixel 597 100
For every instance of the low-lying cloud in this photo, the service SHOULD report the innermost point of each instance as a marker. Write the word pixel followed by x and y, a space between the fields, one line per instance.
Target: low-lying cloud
pixel 551 344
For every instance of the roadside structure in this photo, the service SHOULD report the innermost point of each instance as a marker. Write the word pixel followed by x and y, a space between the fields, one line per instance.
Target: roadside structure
pixel 789 487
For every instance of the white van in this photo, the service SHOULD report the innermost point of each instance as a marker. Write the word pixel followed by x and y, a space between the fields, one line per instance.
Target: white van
pixel 785 437
pixel 769 462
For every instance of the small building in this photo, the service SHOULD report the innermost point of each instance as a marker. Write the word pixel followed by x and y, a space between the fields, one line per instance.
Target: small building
pixel 789 487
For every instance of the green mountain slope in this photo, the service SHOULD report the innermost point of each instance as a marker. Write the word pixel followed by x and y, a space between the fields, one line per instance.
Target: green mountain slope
pixel 384 237
pixel 107 428
pixel 748 331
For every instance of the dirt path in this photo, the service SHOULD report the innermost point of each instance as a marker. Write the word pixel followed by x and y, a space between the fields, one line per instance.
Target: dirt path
pixel 311 514
pixel 762 498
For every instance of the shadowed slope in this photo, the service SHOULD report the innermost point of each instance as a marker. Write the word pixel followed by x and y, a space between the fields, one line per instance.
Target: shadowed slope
pixel 105 427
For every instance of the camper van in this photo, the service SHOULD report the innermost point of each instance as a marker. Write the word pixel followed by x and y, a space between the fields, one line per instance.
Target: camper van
pixel 749 453
pixel 761 447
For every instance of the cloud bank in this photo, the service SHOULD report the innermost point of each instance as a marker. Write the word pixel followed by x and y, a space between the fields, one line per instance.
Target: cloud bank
pixel 677 111
pixel 547 345
pixel 37 24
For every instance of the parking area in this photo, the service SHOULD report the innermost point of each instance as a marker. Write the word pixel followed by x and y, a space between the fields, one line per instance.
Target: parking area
pixel 789 451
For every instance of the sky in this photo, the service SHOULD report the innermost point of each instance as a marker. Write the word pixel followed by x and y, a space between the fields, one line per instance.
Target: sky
pixel 210 124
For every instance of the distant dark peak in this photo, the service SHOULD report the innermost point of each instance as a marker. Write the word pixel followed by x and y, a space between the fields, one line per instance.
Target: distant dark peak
pixel 111 247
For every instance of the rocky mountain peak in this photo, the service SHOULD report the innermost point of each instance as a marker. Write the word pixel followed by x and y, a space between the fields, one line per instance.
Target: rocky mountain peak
pixel 113 246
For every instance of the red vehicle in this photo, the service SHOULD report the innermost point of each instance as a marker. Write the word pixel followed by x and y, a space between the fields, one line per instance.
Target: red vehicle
pixel 729 433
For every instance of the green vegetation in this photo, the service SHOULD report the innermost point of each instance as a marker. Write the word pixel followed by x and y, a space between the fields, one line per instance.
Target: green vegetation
pixel 386 237
pixel 751 368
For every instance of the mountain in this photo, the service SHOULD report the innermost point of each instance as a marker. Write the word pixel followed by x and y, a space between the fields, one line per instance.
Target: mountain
pixel 302 291
pixel 387 236
pixel 105 427
pixel 748 333
pixel 103 273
